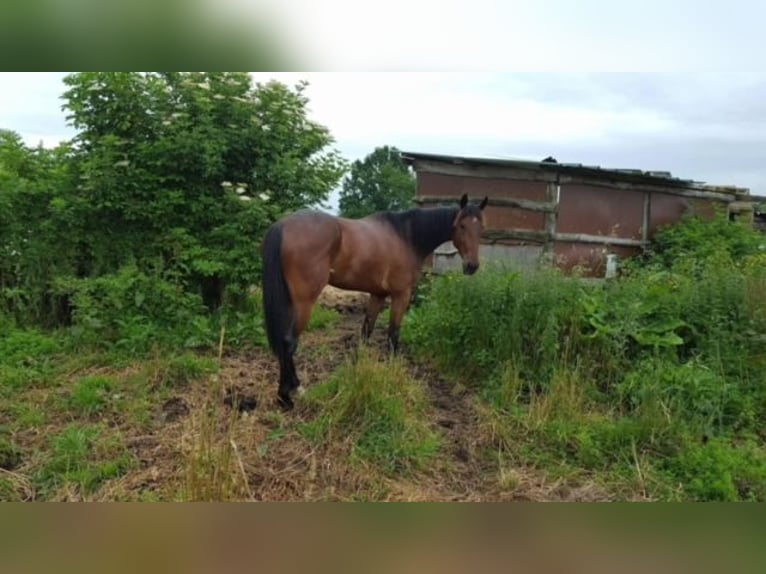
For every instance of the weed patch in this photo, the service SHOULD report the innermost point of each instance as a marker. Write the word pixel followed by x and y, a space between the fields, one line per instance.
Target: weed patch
pixel 374 404
pixel 654 378
pixel 83 457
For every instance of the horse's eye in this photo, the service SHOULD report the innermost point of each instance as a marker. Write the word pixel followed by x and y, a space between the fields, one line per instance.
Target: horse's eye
pixel 462 226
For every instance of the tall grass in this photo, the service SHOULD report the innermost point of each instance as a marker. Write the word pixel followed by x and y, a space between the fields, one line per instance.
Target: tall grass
pixel 213 467
pixel 379 409
pixel 633 380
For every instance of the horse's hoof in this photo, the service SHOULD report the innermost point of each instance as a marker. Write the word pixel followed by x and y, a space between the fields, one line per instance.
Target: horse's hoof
pixel 286 403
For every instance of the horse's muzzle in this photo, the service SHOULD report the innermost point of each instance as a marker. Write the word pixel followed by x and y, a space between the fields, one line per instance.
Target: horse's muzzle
pixel 470 268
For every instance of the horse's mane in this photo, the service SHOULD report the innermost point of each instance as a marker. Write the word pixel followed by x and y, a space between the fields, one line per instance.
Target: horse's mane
pixel 423 229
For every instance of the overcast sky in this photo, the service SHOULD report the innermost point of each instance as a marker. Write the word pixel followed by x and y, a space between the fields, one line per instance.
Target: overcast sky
pixel 707 126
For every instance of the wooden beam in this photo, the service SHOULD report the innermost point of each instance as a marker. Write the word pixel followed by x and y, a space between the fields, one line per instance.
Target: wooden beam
pixel 599 239
pixel 624 186
pixel 546 207
pixel 552 195
pixel 540 236
pixel 646 216
pixel 533 235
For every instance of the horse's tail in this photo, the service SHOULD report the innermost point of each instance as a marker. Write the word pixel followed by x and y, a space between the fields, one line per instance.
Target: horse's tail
pixel 277 302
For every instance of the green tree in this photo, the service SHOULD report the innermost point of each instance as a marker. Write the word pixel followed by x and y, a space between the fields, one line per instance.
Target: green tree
pixel 188 169
pixel 379 182
pixel 36 237
pixel 173 175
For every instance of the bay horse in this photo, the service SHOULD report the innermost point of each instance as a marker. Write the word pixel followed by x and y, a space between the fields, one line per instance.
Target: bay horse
pixel 381 254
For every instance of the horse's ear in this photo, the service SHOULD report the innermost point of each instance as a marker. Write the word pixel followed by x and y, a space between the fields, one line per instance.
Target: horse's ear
pixel 483 203
pixel 464 201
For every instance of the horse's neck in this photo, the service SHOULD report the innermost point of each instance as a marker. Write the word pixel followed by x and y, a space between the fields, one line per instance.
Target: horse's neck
pixel 433 229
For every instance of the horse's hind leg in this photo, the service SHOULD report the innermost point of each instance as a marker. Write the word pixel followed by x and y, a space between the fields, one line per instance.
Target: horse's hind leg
pixel 399 304
pixel 288 380
pixel 371 315
pixel 307 249
pixel 288 377
pixel 304 299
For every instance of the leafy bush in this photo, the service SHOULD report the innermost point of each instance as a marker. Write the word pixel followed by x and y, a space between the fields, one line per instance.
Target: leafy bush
pixel 172 176
pixel 26 358
pixel 27 347
pixel 135 311
pixel 634 373
pixel 690 392
pixel 460 321
pixel 721 471
pixel 699 239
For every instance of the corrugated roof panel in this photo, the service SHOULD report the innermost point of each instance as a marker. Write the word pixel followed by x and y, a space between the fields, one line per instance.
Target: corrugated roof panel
pixel 572 168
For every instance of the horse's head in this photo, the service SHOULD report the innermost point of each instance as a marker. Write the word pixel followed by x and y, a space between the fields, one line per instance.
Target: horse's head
pixel 466 233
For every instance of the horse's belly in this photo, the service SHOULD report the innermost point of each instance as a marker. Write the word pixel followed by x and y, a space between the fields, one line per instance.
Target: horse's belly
pixel 369 283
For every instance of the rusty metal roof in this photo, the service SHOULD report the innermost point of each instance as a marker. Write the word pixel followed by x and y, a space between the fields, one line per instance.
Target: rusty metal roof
pixel 664 178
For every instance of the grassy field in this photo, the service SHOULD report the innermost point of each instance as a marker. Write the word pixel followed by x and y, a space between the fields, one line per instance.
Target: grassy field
pixel 652 386
pixel 204 425
pixel 510 387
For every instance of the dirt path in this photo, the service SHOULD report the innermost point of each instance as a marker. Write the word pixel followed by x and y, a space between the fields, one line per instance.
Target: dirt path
pixel 227 438
pixel 296 470
pixel 464 469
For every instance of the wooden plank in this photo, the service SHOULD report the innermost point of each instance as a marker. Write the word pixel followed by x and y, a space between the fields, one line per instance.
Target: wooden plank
pixel 543 237
pixel 511 173
pixel 645 221
pixel 599 239
pixel 619 186
pixel 546 207
pixel 552 195
pixel 515 234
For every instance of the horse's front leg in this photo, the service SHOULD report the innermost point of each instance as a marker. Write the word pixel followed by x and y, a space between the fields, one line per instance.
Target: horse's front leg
pixel 399 304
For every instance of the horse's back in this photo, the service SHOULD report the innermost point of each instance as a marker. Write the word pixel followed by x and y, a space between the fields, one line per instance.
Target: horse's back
pixel 309 232
pixel 372 257
pixel 365 254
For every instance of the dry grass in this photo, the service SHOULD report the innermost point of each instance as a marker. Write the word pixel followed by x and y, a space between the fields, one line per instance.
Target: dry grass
pixel 221 436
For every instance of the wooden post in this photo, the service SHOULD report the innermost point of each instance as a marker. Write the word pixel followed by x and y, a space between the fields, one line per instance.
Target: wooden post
pixel 552 198
pixel 647 217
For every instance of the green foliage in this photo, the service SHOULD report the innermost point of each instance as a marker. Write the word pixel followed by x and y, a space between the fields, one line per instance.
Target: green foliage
pixel 80 455
pixel 323 318
pixel 169 184
pixel 376 404
pixel 721 471
pixel 691 392
pixel 134 311
pixel 701 239
pixel 27 358
pixel 379 182
pixel 10 453
pixel 183 369
pixel 36 244
pixel 243 324
pixel 655 378
pixel 193 167
pixel 90 395
pixel 459 322
pixel 27 347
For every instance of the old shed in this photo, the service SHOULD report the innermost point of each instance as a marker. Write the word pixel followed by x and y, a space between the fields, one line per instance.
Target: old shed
pixel 575 215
